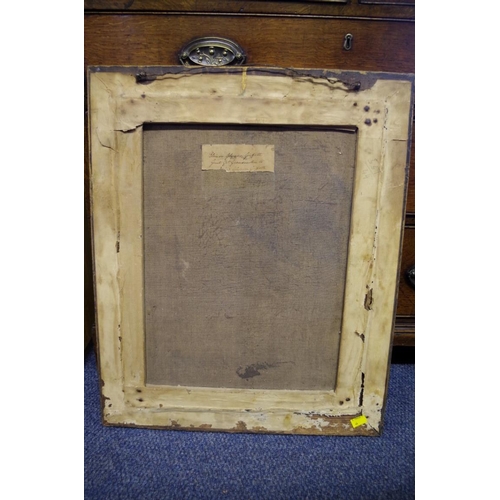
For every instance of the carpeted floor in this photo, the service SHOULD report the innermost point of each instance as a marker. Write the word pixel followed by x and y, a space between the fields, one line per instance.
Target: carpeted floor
pixel 126 463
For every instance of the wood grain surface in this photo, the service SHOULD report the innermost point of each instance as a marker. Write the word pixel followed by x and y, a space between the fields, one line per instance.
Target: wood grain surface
pixel 316 43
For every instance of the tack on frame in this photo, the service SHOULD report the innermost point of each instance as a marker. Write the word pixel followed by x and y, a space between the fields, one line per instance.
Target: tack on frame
pixel 121 101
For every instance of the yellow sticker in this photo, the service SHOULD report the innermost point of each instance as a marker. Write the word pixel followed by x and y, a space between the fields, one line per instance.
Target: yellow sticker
pixel 356 422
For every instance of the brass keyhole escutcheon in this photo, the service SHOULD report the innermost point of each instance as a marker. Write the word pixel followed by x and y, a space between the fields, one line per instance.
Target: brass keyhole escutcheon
pixel 348 38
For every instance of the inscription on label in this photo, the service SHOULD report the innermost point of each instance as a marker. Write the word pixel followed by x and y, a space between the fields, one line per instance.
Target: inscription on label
pixel 238 157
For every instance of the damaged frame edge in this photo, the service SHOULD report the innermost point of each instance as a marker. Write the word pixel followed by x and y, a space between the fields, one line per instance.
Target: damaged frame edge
pixel 300 423
pixel 353 81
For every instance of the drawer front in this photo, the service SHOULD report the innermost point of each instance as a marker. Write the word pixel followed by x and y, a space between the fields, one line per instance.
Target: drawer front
pixel 406 295
pixel 378 45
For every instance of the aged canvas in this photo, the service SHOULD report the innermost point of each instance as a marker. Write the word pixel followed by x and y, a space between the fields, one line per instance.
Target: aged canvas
pixel 247 227
pixel 245 270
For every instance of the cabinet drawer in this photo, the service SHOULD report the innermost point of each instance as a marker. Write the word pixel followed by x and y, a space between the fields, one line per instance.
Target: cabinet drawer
pixel 143 39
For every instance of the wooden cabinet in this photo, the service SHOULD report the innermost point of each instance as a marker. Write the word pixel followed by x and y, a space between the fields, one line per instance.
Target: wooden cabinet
pixel 300 34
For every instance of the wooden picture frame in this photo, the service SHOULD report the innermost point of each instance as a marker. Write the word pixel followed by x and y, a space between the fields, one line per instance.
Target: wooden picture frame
pixel 377 108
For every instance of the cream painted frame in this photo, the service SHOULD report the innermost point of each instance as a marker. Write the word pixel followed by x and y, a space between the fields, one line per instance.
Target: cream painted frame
pixel 379 105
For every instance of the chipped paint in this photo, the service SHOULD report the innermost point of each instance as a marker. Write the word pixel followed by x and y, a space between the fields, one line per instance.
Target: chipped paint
pixel 240 426
pixel 369 300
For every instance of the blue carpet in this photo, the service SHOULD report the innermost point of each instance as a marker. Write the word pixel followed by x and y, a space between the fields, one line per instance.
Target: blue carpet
pixel 126 463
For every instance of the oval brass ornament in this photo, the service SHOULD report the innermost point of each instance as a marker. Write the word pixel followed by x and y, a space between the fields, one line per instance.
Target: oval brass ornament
pixel 211 51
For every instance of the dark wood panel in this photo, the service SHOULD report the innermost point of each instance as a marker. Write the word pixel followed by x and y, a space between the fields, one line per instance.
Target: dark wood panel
pixel 404 353
pixel 404 339
pixel 395 8
pixel 410 201
pixel 316 43
pixel 89 314
pixel 406 295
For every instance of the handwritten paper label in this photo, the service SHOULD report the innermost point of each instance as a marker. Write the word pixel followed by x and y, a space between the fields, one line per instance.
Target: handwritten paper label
pixel 238 157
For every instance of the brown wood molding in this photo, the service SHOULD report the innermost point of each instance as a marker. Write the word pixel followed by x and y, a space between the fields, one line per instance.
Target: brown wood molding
pixel 405 324
pixel 346 8
pixel 404 331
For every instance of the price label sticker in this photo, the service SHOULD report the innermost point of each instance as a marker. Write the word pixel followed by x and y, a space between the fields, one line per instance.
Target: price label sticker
pixel 357 421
